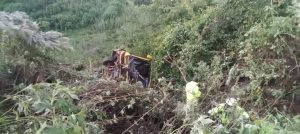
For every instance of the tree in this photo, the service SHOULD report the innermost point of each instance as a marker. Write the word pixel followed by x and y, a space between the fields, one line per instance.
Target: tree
pixel 24 47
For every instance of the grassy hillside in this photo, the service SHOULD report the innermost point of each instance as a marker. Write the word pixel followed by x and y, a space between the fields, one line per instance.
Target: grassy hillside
pixel 91 24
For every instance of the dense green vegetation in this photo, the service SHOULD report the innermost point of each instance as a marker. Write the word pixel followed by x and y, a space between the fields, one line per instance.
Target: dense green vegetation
pixel 246 49
pixel 85 20
pixel 68 14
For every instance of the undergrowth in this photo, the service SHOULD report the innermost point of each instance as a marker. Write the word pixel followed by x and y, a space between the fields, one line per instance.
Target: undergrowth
pixel 46 108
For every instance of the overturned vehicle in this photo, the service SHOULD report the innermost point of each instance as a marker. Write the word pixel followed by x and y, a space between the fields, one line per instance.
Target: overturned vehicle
pixel 123 66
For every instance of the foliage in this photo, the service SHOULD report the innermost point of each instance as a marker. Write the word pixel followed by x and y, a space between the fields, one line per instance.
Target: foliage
pixel 142 2
pixel 67 14
pixel 246 49
pixel 25 47
pixel 48 108
pixel 243 51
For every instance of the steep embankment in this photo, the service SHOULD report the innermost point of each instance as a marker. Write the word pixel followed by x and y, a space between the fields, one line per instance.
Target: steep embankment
pixel 246 50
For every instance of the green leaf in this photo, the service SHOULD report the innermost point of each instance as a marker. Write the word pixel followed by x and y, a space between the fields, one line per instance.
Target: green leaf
pixel 77 130
pixel 2 120
pixel 54 130
pixel 65 106
pixel 40 106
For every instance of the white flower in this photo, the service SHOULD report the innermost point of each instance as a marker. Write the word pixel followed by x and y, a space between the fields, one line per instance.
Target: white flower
pixel 192 92
pixel 231 101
